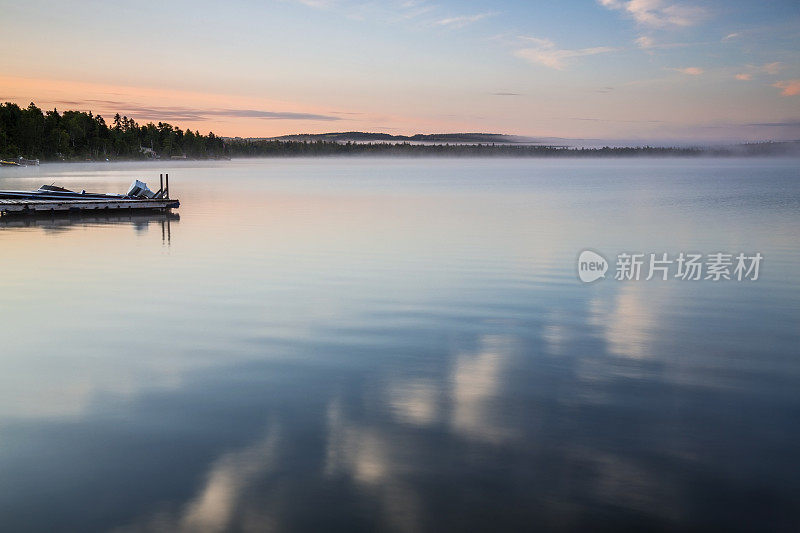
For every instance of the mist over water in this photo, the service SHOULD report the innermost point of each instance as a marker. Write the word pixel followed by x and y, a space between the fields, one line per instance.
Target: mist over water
pixel 401 344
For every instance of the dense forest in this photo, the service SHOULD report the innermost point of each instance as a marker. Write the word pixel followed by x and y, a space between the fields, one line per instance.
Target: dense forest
pixel 79 136
pixel 277 148
pixel 274 148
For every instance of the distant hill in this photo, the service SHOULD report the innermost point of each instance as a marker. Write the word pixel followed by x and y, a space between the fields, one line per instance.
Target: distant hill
pixel 454 138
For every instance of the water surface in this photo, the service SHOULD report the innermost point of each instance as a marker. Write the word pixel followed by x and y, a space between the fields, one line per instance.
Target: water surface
pixel 403 345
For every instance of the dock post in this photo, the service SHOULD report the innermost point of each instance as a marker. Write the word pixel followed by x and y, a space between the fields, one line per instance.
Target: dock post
pixel 167 186
pixel 161 180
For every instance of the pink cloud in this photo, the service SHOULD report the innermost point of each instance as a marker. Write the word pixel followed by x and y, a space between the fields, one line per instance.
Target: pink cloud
pixel 658 13
pixel 460 22
pixel 744 77
pixel 689 71
pixel 789 87
pixel 544 52
pixel 772 68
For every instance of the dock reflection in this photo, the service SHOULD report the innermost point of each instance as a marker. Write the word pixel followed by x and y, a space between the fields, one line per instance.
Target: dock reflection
pixel 58 221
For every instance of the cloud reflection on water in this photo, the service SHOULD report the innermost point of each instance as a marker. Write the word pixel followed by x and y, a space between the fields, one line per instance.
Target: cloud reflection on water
pixel 408 352
pixel 372 459
pixel 214 507
pixel 630 322
pixel 477 380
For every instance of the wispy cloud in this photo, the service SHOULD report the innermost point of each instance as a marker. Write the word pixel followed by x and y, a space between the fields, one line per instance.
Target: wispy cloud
pixel 772 68
pixel 194 114
pixel 271 115
pixel 415 8
pixel 689 71
pixel 648 43
pixel 788 87
pixel 422 12
pixel 731 36
pixel 506 94
pixel 544 52
pixel 589 119
pixel 464 20
pixel 319 4
pixel 787 124
pixel 658 13
pixel 749 71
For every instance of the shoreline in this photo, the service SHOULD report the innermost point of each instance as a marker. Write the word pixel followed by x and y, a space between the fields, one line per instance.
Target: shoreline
pixel 333 149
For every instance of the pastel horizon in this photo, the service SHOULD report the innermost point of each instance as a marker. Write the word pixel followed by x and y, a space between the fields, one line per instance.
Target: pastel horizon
pixel 612 69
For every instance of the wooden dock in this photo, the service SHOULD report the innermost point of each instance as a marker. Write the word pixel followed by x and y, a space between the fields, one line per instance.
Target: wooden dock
pixel 52 199
pixel 26 206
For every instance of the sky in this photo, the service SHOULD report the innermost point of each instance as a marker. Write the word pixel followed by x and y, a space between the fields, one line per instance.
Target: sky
pixel 656 70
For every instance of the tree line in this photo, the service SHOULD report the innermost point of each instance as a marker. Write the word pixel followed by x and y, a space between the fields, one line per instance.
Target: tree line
pixel 276 148
pixel 77 135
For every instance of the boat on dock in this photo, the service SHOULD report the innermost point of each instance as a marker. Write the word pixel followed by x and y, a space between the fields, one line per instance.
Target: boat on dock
pixel 52 198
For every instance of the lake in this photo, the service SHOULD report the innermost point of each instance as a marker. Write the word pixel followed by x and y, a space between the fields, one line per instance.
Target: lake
pixel 402 345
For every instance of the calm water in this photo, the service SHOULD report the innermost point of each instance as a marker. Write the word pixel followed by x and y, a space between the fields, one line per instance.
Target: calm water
pixel 401 345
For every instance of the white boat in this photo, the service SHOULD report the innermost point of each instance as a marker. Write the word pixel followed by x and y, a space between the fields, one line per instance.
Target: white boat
pixel 137 190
